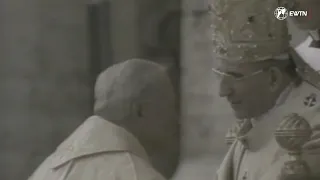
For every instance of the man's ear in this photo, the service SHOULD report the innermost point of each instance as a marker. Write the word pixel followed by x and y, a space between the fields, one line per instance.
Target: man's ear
pixel 275 78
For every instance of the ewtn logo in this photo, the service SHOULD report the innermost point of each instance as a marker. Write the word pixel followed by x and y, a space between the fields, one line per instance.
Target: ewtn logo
pixel 282 13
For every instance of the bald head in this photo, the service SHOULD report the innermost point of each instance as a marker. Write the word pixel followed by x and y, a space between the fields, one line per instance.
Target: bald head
pixel 138 96
pixel 129 85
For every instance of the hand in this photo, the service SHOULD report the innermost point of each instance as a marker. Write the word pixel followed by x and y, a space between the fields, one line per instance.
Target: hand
pixel 314 143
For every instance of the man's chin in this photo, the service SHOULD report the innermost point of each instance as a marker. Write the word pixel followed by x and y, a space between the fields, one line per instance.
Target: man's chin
pixel 242 115
pixel 241 112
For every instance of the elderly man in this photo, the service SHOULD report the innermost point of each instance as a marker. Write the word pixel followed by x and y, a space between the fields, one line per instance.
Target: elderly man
pixel 134 119
pixel 259 80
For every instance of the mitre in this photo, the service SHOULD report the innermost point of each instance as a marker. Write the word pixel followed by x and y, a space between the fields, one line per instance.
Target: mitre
pixel 247 30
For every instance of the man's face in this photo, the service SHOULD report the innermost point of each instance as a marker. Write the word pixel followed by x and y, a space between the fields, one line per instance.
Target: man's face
pixel 247 89
pixel 312 21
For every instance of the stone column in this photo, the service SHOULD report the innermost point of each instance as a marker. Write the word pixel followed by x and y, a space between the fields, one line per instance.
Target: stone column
pixel 45 87
pixel 125 29
pixel 205 116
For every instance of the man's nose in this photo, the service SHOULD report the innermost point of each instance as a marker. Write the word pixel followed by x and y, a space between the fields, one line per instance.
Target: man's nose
pixel 225 88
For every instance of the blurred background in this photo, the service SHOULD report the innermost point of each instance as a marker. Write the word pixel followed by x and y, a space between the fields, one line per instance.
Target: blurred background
pixel 52 50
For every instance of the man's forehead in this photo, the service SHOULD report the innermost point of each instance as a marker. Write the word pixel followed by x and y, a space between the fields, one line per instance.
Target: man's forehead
pixel 247 66
pixel 230 66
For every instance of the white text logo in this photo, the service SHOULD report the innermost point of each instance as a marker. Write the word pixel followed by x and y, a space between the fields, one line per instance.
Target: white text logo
pixel 282 13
